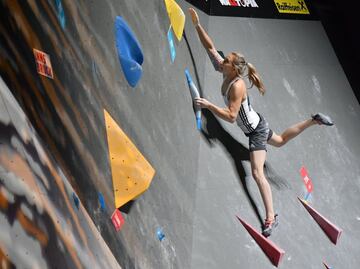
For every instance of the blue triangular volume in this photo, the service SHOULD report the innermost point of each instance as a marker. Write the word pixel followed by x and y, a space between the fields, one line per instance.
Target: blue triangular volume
pixel 129 51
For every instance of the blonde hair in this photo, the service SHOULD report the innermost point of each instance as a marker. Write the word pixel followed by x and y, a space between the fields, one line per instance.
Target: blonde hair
pixel 240 65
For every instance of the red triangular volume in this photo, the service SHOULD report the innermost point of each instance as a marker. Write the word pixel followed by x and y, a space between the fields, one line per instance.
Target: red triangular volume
pixel 326 266
pixel 331 230
pixel 274 253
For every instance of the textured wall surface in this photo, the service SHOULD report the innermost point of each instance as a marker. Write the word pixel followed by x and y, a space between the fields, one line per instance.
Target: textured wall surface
pixel 41 226
pixel 302 76
pixel 203 178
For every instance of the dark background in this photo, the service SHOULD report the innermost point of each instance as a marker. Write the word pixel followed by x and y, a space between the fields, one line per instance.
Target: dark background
pixel 341 22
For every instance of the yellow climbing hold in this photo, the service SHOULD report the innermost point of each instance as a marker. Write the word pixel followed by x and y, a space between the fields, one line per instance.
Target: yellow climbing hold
pixel 131 172
pixel 177 17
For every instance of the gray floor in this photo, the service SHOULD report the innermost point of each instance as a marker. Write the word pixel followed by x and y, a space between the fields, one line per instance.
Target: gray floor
pixel 202 179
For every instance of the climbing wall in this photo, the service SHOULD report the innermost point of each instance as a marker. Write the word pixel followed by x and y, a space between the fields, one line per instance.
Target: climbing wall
pixel 65 64
pixel 302 76
pixel 38 215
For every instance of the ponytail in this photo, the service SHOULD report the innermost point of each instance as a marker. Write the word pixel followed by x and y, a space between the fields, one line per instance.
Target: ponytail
pixel 255 78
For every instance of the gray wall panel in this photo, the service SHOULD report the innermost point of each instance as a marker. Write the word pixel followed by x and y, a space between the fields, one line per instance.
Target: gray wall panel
pixel 302 76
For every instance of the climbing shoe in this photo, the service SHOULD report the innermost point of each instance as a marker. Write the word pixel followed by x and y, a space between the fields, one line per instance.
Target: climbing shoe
pixel 269 226
pixel 322 119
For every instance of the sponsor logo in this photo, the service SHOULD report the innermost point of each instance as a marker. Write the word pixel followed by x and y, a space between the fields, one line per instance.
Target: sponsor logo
pixel 239 3
pixel 292 6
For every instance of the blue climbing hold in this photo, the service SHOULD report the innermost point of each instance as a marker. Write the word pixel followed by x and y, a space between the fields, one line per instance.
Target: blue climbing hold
pixel 160 234
pixel 129 51
pixel 76 200
pixel 171 45
pixel 60 13
pixel 101 201
pixel 194 94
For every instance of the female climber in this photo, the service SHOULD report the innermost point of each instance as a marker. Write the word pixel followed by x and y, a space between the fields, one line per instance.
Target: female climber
pixel 238 109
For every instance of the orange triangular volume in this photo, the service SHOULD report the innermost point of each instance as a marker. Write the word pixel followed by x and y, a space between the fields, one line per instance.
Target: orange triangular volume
pixel 330 229
pixel 131 172
pixel 326 266
pixel 274 253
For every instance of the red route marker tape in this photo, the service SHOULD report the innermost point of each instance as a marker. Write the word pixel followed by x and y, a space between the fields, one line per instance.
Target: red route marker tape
pixel 306 179
pixel 117 219
pixel 43 64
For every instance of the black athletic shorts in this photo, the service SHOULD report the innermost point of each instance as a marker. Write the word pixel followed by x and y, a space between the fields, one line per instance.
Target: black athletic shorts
pixel 260 136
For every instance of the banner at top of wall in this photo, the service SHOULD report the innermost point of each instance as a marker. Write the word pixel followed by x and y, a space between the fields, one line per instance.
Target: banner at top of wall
pixel 278 9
